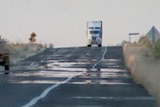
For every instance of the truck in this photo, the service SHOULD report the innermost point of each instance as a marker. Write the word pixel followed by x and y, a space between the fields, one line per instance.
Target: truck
pixel 4 55
pixel 94 33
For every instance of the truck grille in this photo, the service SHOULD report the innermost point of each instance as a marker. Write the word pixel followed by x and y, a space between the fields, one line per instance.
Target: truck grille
pixel 94 38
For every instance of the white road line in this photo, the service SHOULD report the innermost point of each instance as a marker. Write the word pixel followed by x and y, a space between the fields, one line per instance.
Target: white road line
pixel 45 92
pixel 104 53
pixel 118 98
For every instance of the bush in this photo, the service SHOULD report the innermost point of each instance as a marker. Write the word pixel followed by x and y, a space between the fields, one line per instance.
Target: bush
pixel 157 49
pixel 144 41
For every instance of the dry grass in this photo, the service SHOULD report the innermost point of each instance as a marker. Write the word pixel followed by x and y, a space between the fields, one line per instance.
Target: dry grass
pixel 20 51
pixel 144 68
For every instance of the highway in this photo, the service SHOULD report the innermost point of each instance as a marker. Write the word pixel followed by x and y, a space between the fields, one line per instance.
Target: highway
pixel 74 77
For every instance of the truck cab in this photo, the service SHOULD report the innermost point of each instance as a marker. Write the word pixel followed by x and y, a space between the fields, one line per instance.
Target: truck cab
pixel 94 33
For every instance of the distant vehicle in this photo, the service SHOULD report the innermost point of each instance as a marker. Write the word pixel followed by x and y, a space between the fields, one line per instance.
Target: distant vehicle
pixel 4 55
pixel 94 33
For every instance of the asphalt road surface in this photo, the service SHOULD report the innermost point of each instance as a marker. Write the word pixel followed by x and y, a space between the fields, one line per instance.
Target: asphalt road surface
pixel 73 77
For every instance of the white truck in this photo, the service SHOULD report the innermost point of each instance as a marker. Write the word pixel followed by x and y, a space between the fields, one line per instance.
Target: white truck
pixel 94 33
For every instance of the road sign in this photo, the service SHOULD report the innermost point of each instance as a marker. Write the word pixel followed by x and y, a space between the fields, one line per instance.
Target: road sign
pixel 133 33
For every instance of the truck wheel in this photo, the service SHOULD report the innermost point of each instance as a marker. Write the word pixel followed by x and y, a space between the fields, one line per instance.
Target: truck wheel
pixel 89 45
pixel 100 45
pixel 6 67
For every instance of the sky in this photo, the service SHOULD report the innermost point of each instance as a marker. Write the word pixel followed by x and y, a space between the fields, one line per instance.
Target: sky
pixel 64 22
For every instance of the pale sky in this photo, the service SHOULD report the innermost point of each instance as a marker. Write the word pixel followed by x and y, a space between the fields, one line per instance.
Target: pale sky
pixel 63 22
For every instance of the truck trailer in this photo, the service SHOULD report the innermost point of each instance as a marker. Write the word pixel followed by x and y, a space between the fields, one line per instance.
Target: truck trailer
pixel 94 33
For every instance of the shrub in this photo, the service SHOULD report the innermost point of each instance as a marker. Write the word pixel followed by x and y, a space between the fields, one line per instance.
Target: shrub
pixel 157 49
pixel 144 41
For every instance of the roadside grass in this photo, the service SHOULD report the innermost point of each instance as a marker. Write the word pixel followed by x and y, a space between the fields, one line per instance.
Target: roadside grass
pixel 157 49
pixel 154 47
pixel 21 51
pixel 143 60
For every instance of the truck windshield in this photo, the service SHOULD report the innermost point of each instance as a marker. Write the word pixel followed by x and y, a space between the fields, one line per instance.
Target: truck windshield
pixel 94 32
pixel 97 28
